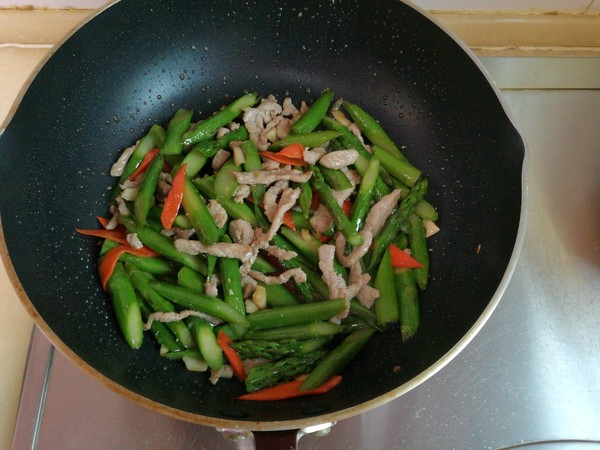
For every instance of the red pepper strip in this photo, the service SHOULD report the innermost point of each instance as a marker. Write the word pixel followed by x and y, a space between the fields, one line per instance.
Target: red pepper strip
pixel 113 235
pixel 283 159
pixel 347 207
pixel 103 221
pixel 224 341
pixel 174 198
pixel 141 168
pixel 288 220
pixel 402 259
pixel 110 259
pixel 295 151
pixel 290 390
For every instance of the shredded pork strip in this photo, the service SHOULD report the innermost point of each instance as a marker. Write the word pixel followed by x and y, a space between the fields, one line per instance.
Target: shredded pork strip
pixel 167 317
pixel 271 176
pixel 296 273
pixel 221 249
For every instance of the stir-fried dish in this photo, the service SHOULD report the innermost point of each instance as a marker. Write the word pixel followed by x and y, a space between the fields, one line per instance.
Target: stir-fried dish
pixel 267 242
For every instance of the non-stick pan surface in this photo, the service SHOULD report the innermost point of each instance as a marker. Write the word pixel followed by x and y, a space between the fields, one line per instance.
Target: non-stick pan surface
pixel 139 61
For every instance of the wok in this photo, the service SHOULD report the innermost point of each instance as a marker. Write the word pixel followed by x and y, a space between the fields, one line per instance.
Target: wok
pixel 138 61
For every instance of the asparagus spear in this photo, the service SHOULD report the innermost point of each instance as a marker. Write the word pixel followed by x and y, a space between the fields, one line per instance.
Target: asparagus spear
pixel 315 113
pixel 126 306
pixel 337 359
pixel 253 348
pixel 284 369
pixel 205 129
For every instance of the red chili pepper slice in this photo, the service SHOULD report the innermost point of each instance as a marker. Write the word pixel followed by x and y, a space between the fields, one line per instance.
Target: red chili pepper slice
pixel 402 259
pixel 113 235
pixel 174 199
pixel 224 341
pixel 141 168
pixel 111 257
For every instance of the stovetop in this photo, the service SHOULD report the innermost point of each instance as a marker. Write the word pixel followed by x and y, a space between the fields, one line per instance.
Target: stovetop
pixel 532 374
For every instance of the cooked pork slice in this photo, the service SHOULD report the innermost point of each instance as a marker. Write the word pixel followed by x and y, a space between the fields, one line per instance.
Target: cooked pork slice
pixel 321 220
pixel 296 273
pixel 260 120
pixel 249 363
pixel 283 128
pixel 312 156
pixel 242 192
pixel 381 211
pixel 271 176
pixel 366 294
pixel 183 233
pixel 222 132
pixel 248 286
pixel 241 231
pixel 129 193
pixel 339 159
pixel 356 253
pixel 134 240
pixel 334 281
pixel 356 132
pixel 122 207
pixel 220 249
pixel 211 286
pixel 220 158
pixel 251 307
pixel 280 253
pixel 218 212
pixel 114 220
pixel 224 372
pixel 270 198
pixel 288 108
pixel 117 168
pixel 167 317
pixel 288 199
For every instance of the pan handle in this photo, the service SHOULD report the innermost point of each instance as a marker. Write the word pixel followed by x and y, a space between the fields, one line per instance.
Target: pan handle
pixel 275 440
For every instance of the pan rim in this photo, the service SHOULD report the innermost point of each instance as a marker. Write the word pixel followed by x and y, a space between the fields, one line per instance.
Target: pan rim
pixel 250 425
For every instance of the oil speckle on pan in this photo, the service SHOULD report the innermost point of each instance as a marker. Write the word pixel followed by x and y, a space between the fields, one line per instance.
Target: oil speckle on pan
pixel 139 61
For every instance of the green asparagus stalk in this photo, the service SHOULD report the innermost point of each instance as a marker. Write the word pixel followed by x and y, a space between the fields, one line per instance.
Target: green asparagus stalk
pixel 252 348
pixel 145 196
pixel 154 139
pixel 205 129
pixel 372 130
pixel 386 306
pixel 419 250
pixel 179 124
pixel 315 113
pixel 408 302
pixel 285 369
pixel 311 330
pixel 337 359
pixel 163 245
pixel 296 314
pixel 141 282
pixel 126 306
pixel 314 139
pixel 200 302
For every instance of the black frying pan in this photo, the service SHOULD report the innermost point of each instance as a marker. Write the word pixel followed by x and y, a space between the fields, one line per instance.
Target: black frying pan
pixel 138 61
